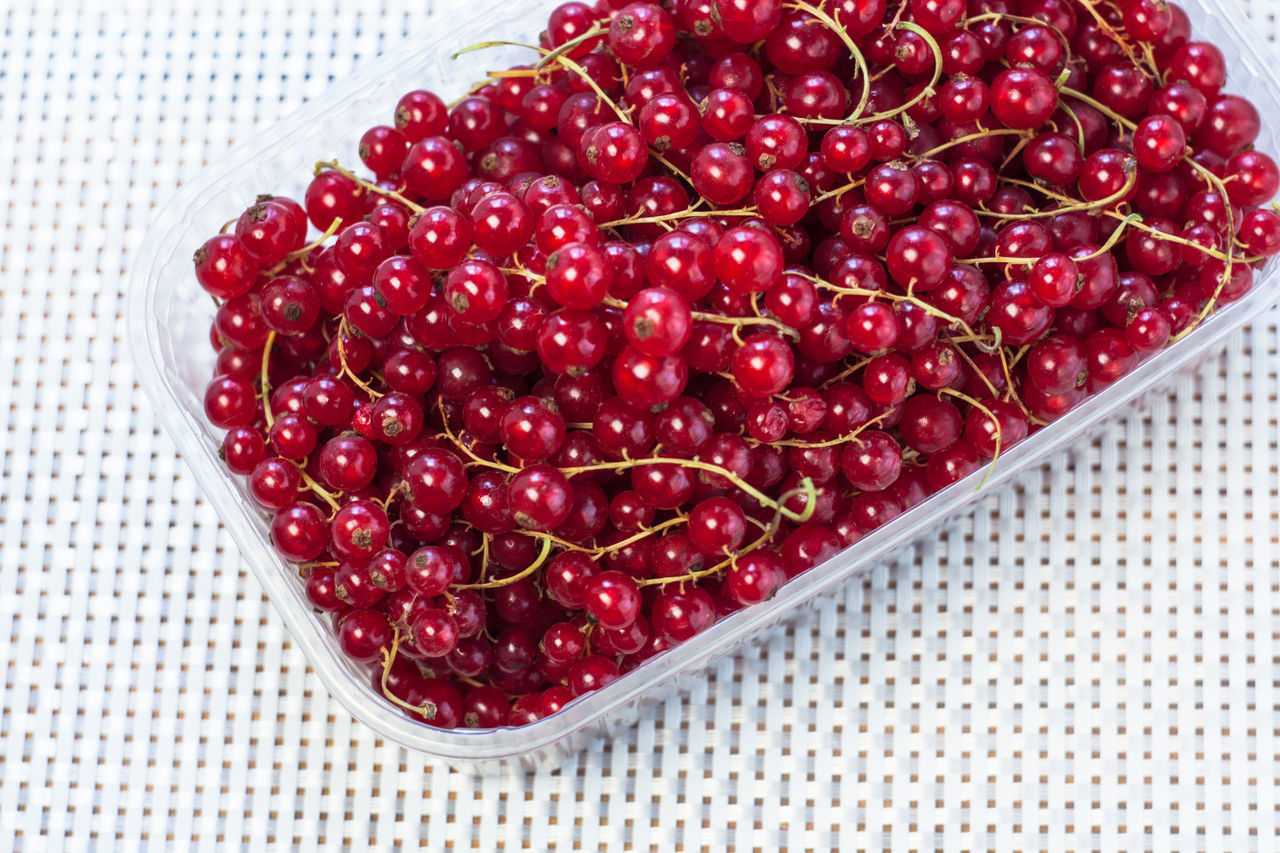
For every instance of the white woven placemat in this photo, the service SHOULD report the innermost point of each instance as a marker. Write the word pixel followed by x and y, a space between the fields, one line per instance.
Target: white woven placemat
pixel 1105 682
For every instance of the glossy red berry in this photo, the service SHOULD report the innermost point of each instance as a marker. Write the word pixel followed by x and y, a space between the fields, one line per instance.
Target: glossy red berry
pixel 748 21
pixel 300 532
pixel 642 35
pixel 763 365
pixel 918 258
pixel 1023 98
pixel 436 479
pixel 717 526
pixel 225 268
pixel 364 634
pixel 658 321
pixel 679 615
pixel 531 429
pixel 268 232
pixel 578 276
pixel 722 173
pixel 540 497
pixel 476 290
pixel 1017 314
pixel 748 260
pixel 1158 143
pixel 433 168
pixel 612 598
pixel 754 578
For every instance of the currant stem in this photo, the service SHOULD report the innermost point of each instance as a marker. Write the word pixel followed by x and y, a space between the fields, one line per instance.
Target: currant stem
pixel 692 212
pixel 1221 187
pixel 266 381
pixel 698 575
pixel 533 567
pixel 368 185
pixel 1111 33
pixel 843 439
pixel 395 492
pixel 979 341
pixel 928 90
pixel 319 564
pixel 342 360
pixel 896 297
pixel 1076 119
pixel 698 464
pixel 863 71
pixel 838 191
pixel 764 537
pixel 639 535
pixel 484 555
pixel 736 322
pixel 1023 19
pixel 1130 219
pixel 595 87
pixel 1131 180
pixel 324 494
pixel 670 166
pixel 1009 392
pixel 995 395
pixel 593 32
pixel 999 429
pixel 1017 149
pixel 553 539
pixel 630 540
pixel 1099 106
pixel 489 45
pixel 512 73
pixel 448 433
pixel 982 134
pixel 318 242
pixel 846 373
pixel 388 657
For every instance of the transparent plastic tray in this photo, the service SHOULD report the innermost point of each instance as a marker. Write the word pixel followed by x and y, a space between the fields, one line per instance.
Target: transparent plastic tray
pixel 169 318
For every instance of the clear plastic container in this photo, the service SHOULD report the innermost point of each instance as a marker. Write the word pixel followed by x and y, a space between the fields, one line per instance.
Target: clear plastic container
pixel 169 318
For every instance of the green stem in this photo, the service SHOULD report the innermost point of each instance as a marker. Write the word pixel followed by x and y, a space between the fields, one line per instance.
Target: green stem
pixel 1099 106
pixel 342 360
pixel 368 185
pixel 843 439
pixel 999 430
pixel 899 297
pixel 594 32
pixel 266 381
pixel 982 134
pixel 489 45
pixel 699 465
pixel 595 87
pixel 533 567
pixel 927 90
pixel 1074 204
pixel 318 489
pixel 863 71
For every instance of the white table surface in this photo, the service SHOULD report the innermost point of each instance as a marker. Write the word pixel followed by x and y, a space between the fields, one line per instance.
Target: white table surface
pixel 1103 681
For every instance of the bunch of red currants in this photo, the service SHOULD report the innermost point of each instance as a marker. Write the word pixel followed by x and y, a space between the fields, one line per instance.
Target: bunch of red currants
pixel 627 337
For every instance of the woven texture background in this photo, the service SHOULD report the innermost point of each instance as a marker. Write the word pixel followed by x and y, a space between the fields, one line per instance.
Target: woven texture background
pixel 1087 662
